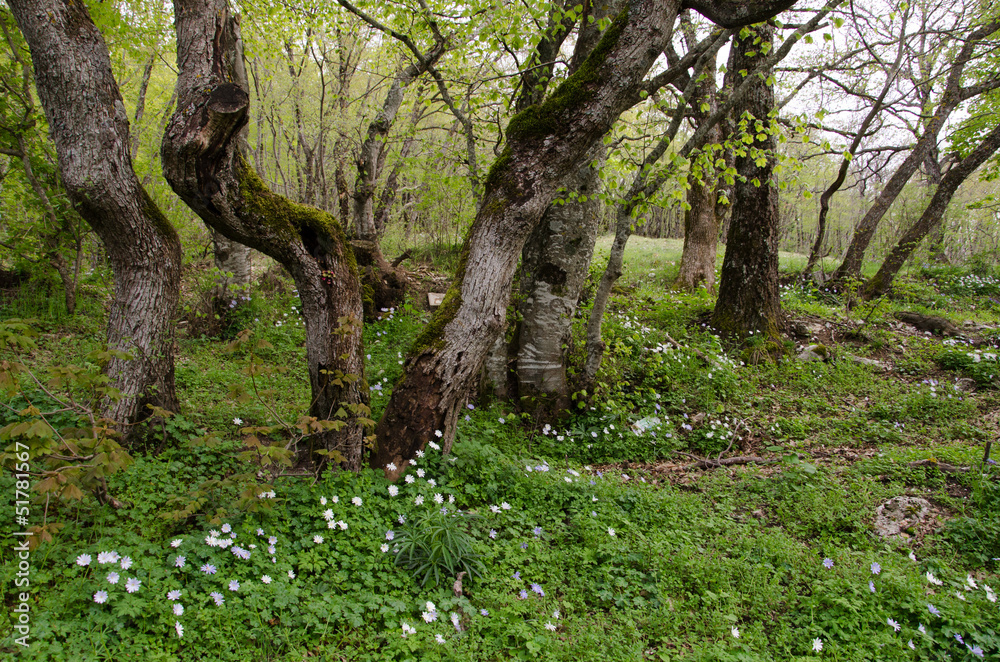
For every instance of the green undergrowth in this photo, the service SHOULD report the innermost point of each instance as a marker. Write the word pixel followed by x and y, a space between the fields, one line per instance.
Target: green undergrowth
pixel 582 538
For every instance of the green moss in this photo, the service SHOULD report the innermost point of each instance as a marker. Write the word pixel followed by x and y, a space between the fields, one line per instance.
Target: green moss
pixel 151 211
pixel 496 170
pixel 546 119
pixel 432 337
pixel 290 220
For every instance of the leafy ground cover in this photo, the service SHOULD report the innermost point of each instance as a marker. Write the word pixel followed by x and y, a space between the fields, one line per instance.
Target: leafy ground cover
pixel 698 505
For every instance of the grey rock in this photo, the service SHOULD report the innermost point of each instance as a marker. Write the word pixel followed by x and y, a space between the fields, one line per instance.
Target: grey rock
pixel 900 515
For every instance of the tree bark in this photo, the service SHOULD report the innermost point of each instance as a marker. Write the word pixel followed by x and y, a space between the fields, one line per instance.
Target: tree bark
pixel 554 266
pixel 544 143
pixel 748 293
pixel 931 218
pixel 204 162
pixel 89 127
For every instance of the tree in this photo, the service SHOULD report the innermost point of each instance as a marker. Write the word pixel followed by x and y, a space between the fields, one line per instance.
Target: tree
pixel 934 118
pixel 544 143
pixel 205 162
pixel 88 125
pixel 748 292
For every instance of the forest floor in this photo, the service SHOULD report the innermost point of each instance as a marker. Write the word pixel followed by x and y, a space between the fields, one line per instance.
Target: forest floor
pixel 696 506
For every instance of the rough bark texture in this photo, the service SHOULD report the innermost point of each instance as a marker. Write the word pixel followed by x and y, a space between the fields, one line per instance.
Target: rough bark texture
pixel 952 96
pixel 553 269
pixel 89 127
pixel 204 163
pixel 931 218
pixel 544 143
pixel 748 292
pixel 701 237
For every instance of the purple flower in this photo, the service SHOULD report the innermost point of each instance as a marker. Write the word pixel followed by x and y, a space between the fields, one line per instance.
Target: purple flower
pixel 538 589
pixel 524 545
pixel 517 575
pixel 871 586
pixel 827 563
pixel 484 612
pixel 538 531
pixel 217 597
pixel 934 610
pixel 493 533
pixel 959 639
pixel 876 568
pixel 523 594
pixel 208 569
pixel 975 650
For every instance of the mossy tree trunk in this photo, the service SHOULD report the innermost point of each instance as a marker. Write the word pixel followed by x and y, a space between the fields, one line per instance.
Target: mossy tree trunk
pixel 748 290
pixel 931 218
pixel 204 162
pixel 88 124
pixel 544 143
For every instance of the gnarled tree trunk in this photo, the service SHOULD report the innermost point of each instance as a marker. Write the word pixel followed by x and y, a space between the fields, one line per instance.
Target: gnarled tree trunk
pixel 544 143
pixel 748 292
pixel 204 162
pixel 89 127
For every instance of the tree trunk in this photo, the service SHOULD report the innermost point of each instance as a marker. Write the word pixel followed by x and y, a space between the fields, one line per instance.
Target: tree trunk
pixel 89 127
pixel 748 293
pixel 544 143
pixel 554 267
pixel 204 163
pixel 931 218
pixel 701 232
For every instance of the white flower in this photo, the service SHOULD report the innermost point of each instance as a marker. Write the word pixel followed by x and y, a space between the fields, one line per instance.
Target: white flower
pixel 959 595
pixel 505 505
pixel 393 490
pixel 291 574
pixel 419 500
pixel 179 561
pixel 176 543
pixel 179 628
pixel 501 421
pixel 343 525
pixel 101 597
pixel 126 562
pixel 495 509
pixel 932 579
pixel 266 579
pixel 429 616
pixel 439 638
pixel 132 584
pixel 178 609
pixel 550 626
pixel 420 453
pixel 356 501
pixel 226 528
pixel 611 532
pixel 413 462
pixel 910 644
pixel 409 478
pixel 817 645
pixel 384 547
pixel 431 482
pixel 913 557
pixel 894 624
pixel 990 595
pixel 335 499
pixel 83 560
pixel 433 445
pixel 401 519
pixel 234 585
pixel 173 595
pixel 322 502
pixel 455 621
pixel 438 433
pixel 391 466
pixel 331 524
pixel 420 473
pixel 555 614
pixel 237 421
pixel 438 498
pixel 328 514
pixel 408 629
pixel 113 577
pixel 736 632
pixel 318 539
pixel 107 557
pixel 971 582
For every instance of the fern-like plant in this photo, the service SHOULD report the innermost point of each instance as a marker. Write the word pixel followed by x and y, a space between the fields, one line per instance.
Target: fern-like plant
pixel 437 546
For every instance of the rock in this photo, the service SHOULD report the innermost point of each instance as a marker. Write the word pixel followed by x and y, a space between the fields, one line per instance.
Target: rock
pixel 965 384
pixel 870 362
pixel 434 299
pixel 900 515
pixel 814 353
